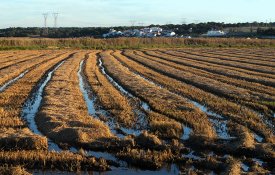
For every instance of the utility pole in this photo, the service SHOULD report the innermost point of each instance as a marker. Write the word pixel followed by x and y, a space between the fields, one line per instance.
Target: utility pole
pixel 183 21
pixel 45 30
pixel 133 22
pixel 141 24
pixel 55 15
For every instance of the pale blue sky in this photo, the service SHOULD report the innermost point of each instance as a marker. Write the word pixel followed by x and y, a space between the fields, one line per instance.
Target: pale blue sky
pixel 89 13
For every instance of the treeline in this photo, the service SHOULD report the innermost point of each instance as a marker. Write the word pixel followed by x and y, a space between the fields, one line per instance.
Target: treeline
pixel 268 32
pixel 97 32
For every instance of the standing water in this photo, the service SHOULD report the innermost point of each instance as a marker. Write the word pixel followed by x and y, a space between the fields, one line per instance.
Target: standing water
pixel 142 120
pixel 2 88
pixel 31 107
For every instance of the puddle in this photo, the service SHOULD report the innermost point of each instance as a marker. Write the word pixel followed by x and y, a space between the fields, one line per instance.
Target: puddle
pixel 206 110
pixel 186 133
pixel 84 90
pixel 31 107
pixel 112 124
pixel 125 92
pixel 90 103
pixel 258 138
pixel 192 156
pixel 244 167
pixel 219 122
pixel 266 120
pixel 2 88
pixel 168 170
pixel 258 161
pixel 97 154
pixel 212 173
pixel 142 119
pixel 220 126
pixel 145 106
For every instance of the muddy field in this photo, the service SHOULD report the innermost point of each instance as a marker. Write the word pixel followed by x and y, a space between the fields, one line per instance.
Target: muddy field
pixel 157 111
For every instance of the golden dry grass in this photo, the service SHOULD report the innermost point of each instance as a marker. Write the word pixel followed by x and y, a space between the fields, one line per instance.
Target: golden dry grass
pixel 159 99
pixel 64 116
pixel 219 85
pixel 236 112
pixel 14 70
pixel 43 160
pixel 108 96
pixel 17 170
pixel 118 43
pixel 11 101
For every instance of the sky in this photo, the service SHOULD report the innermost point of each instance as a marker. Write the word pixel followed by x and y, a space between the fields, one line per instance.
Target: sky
pixel 92 13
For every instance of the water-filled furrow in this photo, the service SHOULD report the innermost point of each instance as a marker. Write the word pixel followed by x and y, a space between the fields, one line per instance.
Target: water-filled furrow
pixel 32 104
pixel 219 122
pixel 258 138
pixel 2 88
pixel 258 161
pixel 192 156
pixel 90 102
pixel 186 133
pixel 142 119
pixel 244 167
pixel 267 120
pixel 97 111
pixel 167 170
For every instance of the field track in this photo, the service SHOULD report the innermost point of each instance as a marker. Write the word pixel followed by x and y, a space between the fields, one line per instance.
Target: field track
pixel 198 110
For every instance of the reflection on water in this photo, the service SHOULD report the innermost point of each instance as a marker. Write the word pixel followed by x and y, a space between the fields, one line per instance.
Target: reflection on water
pixel 167 170
pixel 2 88
pixel 31 107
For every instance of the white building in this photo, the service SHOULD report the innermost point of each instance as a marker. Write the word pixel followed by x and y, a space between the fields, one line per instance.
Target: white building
pixel 215 33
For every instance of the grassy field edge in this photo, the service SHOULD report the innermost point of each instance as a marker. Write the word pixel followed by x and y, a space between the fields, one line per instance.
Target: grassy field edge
pixel 130 43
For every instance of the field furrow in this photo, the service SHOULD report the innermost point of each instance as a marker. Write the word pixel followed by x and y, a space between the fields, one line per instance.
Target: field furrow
pixel 222 106
pixel 16 69
pixel 13 55
pixel 238 58
pixel 236 73
pixel 149 111
pixel 243 57
pixel 146 118
pixel 199 79
pixel 256 54
pixel 107 95
pixel 13 128
pixel 20 59
pixel 269 69
pixel 63 116
pixel 266 71
pixel 214 73
pixel 159 99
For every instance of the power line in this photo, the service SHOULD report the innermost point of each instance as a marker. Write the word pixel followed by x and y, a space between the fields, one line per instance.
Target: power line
pixel 55 15
pixel 45 30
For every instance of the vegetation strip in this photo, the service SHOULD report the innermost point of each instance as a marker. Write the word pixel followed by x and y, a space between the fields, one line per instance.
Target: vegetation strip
pixel 31 106
pixel 180 109
pixel 224 77
pixel 221 128
pixel 221 106
pixel 260 69
pixel 13 127
pixel 253 93
pixel 2 88
pixel 64 121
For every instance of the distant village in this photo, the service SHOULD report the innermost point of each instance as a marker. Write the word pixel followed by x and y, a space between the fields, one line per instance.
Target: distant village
pixel 156 32
pixel 144 32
